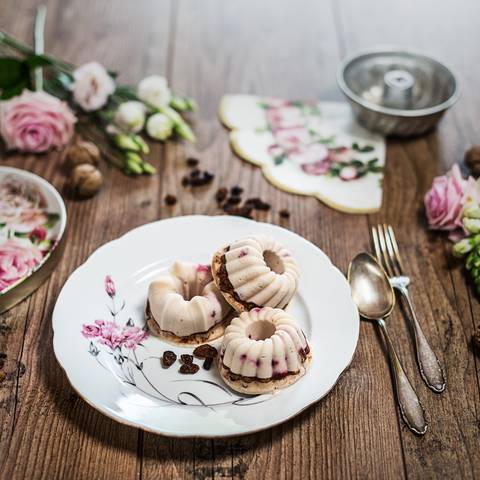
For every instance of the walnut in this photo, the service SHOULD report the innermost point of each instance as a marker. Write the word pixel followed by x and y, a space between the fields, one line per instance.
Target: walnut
pixel 85 180
pixel 472 160
pixel 82 152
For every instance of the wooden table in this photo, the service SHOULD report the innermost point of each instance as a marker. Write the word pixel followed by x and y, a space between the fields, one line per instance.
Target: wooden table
pixel 208 48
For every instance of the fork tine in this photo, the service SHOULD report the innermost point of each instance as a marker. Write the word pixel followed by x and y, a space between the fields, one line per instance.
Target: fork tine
pixel 376 245
pixel 396 249
pixel 383 249
pixel 388 241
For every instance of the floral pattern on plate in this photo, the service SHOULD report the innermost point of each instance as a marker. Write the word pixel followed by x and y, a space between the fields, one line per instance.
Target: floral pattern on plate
pixel 30 226
pixel 114 346
pixel 309 148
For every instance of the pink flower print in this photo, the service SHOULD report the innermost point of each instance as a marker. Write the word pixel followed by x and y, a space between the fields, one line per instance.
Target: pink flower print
pixel 133 336
pixel 114 335
pixel 92 330
pixel 291 138
pixel 275 102
pixel 110 286
pixel 285 117
pixel 313 153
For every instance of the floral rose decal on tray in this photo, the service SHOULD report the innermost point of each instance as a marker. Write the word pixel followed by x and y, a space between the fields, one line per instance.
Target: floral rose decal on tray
pixel 25 230
pixel 298 139
pixel 36 122
pixel 17 259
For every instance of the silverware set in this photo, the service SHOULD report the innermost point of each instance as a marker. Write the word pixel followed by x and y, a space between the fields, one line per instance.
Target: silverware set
pixel 373 281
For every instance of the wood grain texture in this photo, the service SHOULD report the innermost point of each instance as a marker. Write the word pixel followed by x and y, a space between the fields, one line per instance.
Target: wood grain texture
pixel 279 48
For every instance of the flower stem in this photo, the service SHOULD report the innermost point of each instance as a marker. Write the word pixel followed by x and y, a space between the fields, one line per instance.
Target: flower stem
pixel 24 49
pixel 39 42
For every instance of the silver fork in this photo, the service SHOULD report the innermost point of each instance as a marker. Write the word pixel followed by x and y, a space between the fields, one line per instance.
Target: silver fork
pixel 388 254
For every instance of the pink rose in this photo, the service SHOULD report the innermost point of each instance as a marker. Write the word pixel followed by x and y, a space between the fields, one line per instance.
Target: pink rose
pixel 35 122
pixel 444 201
pixel 38 233
pixel 92 86
pixel 17 259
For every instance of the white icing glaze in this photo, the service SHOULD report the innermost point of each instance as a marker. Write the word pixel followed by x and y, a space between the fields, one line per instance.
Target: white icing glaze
pixel 186 300
pixel 254 279
pixel 263 357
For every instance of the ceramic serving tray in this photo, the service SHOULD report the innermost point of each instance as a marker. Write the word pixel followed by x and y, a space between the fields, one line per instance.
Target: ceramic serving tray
pixel 32 223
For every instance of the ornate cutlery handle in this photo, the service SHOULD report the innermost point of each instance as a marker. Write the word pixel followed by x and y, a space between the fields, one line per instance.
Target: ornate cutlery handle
pixel 430 368
pixel 410 407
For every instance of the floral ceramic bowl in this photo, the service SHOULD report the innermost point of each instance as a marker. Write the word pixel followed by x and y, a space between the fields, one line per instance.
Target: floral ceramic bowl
pixel 32 222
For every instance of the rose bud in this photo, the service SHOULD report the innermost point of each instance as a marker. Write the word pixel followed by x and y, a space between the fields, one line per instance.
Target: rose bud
pixel 154 91
pixel 159 126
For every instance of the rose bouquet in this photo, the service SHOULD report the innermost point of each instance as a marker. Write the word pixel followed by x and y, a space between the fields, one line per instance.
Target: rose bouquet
pixel 453 205
pixel 42 97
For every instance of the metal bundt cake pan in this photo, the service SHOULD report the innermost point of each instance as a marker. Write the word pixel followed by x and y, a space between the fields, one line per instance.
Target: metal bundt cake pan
pixel 397 92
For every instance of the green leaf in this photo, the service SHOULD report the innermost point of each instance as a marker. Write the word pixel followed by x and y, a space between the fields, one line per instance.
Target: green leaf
pixel 279 159
pixel 35 61
pixel 12 91
pixel 21 234
pixel 365 149
pixel 12 72
pixel 356 163
pixel 52 219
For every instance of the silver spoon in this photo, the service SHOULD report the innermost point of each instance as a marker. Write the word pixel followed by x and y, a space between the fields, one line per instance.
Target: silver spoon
pixel 374 296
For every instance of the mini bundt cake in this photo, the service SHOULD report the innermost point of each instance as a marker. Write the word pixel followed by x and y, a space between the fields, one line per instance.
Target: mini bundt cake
pixel 255 271
pixel 263 350
pixel 185 307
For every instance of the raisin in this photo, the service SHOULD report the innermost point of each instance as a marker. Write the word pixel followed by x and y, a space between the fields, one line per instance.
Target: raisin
pixel 3 376
pixel 170 199
pixel 234 200
pixel 3 355
pixel 189 368
pixel 221 195
pixel 195 173
pixel 205 351
pixel 168 358
pixel 207 363
pixel 187 359
pixel 284 213
pixel 236 190
pixel 192 162
pixel 185 181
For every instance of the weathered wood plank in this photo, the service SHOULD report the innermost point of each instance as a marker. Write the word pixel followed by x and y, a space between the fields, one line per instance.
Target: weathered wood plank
pixel 56 434
pixel 444 306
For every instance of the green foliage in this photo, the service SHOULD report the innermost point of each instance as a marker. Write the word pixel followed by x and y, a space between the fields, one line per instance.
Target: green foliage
pixel 16 74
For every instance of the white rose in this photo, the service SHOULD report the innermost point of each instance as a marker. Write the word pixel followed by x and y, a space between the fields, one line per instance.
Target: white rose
pixel 154 90
pixel 91 86
pixel 130 116
pixel 159 126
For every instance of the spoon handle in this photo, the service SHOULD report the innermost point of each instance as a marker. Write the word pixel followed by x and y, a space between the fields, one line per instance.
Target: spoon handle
pixel 430 369
pixel 410 407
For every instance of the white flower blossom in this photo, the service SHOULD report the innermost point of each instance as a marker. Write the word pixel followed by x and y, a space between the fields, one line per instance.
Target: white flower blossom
pixel 130 116
pixel 92 86
pixel 154 90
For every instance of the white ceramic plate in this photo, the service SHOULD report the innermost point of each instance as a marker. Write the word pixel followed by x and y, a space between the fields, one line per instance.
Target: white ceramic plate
pixel 32 222
pixel 129 384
